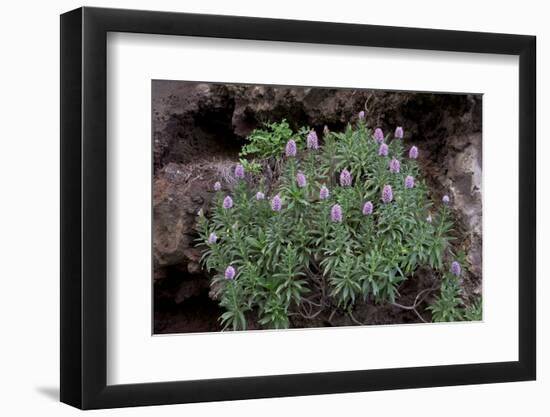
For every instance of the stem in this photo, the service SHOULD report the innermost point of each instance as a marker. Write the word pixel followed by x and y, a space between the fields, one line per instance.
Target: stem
pixel 417 301
pixel 331 315
pixel 352 317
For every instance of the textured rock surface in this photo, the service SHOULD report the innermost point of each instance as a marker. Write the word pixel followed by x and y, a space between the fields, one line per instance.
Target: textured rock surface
pixel 199 128
pixel 179 192
pixel 460 174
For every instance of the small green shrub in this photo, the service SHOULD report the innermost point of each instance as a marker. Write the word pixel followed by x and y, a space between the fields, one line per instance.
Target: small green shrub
pixel 268 142
pixel 474 312
pixel 345 222
pixel 448 305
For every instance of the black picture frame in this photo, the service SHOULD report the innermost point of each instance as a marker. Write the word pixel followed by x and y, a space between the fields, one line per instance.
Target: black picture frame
pixel 84 207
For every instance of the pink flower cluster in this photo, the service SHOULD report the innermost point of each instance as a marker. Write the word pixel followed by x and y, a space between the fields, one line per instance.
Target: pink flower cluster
pixel 346 180
pixel 378 135
pixel 312 140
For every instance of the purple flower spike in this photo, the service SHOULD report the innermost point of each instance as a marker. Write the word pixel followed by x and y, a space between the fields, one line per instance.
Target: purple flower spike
pixel 227 202
pixel 212 238
pixel 230 272
pixel 312 140
pixel 217 186
pixel 409 182
pixel 413 153
pixel 395 166
pixel 301 179
pixel 399 132
pixel 324 193
pixel 260 196
pixel 336 214
pixel 445 199
pixel 383 150
pixel 387 194
pixel 345 178
pixel 290 149
pixel 361 115
pixel 276 203
pixel 239 171
pixel 379 135
pixel 367 208
pixel 455 268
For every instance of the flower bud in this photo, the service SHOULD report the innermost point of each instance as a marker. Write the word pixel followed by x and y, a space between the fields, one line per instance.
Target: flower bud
pixel 276 203
pixel 212 238
pixel 312 140
pixel 301 179
pixel 227 202
pixel 387 194
pixel 455 268
pixel 395 166
pixel 378 135
pixel 336 213
pixel 324 193
pixel 345 178
pixel 290 149
pixel 239 171
pixel 230 272
pixel 399 132
pixel 367 208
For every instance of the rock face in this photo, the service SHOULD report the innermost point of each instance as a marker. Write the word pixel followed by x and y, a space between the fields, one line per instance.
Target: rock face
pixel 460 174
pixel 192 121
pixel 199 128
pixel 179 192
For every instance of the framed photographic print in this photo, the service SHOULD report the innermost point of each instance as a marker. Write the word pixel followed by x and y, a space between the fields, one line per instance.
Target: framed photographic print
pixel 256 208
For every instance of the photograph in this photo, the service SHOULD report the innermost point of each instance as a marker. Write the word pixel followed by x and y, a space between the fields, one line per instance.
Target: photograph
pixel 244 208
pixel 292 207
